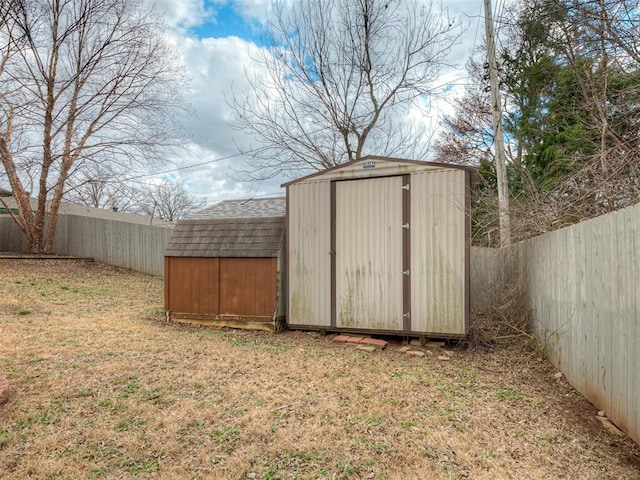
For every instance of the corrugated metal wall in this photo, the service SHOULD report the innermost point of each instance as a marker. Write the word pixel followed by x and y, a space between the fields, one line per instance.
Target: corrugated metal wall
pixel 369 281
pixel 359 210
pixel 438 218
pixel 309 260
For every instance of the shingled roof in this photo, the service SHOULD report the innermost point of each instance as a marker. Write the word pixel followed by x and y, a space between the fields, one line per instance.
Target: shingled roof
pixel 227 237
pixel 247 208
pixel 232 228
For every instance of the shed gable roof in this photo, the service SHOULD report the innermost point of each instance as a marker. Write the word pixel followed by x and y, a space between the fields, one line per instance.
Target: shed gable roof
pixel 227 237
pixel 249 207
pixel 375 166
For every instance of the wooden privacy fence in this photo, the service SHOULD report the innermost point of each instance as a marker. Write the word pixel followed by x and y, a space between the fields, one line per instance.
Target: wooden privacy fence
pixel 123 244
pixel 11 238
pixel 582 285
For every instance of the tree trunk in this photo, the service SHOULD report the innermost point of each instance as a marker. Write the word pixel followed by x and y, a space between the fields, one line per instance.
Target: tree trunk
pixel 25 218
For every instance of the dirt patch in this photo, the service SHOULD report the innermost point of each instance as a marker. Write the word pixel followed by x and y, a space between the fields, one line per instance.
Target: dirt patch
pixel 4 391
pixel 103 387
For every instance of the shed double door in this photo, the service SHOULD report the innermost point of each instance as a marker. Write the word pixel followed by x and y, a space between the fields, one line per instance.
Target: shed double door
pixel 221 286
pixel 370 247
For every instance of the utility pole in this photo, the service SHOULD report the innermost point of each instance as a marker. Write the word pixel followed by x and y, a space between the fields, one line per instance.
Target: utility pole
pixel 498 141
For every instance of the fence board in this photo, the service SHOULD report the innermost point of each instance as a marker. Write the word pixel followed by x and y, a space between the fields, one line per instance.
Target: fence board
pixel 619 317
pixel 581 284
pixel 581 309
pixel 11 238
pixel 123 244
pixel 630 271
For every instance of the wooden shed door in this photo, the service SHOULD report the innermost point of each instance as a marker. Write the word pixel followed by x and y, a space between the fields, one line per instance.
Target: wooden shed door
pixel 221 286
pixel 369 254
pixel 192 284
pixel 248 286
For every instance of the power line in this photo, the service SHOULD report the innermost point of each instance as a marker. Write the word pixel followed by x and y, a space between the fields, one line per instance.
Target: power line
pixel 215 160
pixel 499 15
pixel 475 37
pixel 186 167
pixel 264 148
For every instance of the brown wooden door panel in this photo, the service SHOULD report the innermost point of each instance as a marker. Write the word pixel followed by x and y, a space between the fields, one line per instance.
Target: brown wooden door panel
pixel 248 286
pixel 193 285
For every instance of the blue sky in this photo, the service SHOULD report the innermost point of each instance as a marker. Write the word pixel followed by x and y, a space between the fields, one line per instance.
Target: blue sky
pixel 226 20
pixel 217 39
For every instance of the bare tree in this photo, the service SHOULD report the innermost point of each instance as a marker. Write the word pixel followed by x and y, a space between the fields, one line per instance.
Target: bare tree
pixel 601 44
pixel 337 79
pixel 465 136
pixel 170 201
pixel 84 82
pixel 99 189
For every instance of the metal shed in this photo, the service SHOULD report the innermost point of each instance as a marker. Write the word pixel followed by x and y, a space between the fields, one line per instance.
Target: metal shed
pixel 224 266
pixel 380 245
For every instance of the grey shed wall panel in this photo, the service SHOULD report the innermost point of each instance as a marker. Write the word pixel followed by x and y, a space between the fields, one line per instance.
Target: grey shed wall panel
pixel 438 251
pixel 308 256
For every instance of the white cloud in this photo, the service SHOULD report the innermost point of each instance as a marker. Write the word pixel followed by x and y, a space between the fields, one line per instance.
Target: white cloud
pixel 183 13
pixel 215 65
pixel 211 178
pixel 253 9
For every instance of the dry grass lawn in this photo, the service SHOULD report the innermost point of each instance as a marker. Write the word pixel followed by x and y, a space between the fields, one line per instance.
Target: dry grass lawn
pixel 103 387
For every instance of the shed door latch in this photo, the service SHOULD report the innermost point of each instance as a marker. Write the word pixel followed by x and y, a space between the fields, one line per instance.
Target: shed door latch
pixel 405 272
pixel 405 225
pixel 407 315
pixel 405 187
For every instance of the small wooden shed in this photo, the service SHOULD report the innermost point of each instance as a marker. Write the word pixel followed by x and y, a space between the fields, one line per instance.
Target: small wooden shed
pixel 380 245
pixel 224 266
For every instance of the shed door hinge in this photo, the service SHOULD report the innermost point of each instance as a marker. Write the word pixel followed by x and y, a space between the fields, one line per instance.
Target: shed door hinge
pixel 405 225
pixel 405 187
pixel 405 272
pixel 407 315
